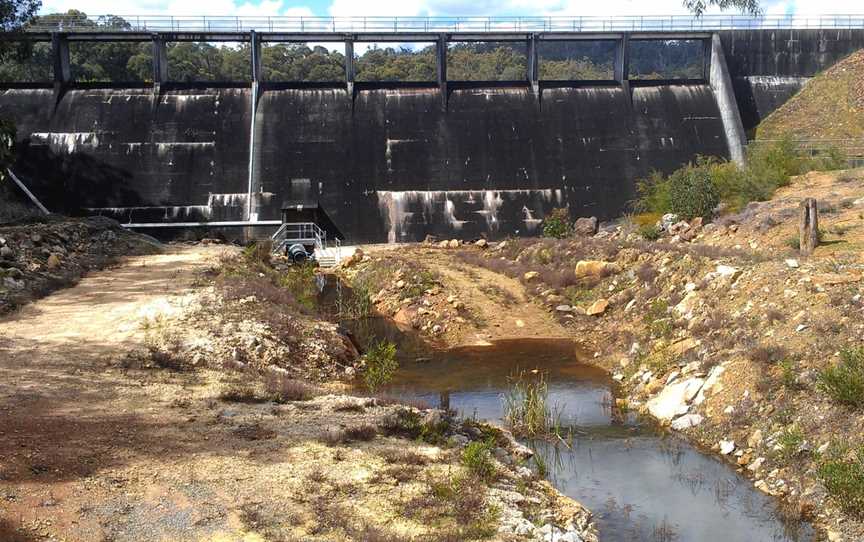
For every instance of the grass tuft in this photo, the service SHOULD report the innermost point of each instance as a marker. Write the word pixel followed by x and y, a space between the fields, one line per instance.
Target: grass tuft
pixel 844 382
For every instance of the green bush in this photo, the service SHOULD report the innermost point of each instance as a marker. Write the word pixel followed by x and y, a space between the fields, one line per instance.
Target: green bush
pixel 844 382
pixel 557 224
pixel 381 364
pixel 477 458
pixel 690 190
pixel 844 480
pixel 650 232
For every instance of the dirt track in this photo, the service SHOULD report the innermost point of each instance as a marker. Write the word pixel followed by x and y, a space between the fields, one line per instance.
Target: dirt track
pixel 70 414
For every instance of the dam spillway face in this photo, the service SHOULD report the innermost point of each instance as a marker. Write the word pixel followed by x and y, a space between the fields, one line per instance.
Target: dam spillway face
pixel 397 162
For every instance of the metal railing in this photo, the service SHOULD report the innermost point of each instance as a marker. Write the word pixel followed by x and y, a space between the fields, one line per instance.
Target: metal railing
pixel 305 233
pixel 646 23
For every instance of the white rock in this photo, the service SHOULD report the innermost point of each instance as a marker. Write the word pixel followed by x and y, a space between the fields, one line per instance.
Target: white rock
pixel 756 464
pixel 686 422
pixel 687 305
pixel 618 377
pixel 727 447
pixel 673 400
pixel 792 263
pixel 710 382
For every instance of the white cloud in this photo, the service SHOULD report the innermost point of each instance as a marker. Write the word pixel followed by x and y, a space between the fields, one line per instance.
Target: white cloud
pixel 177 7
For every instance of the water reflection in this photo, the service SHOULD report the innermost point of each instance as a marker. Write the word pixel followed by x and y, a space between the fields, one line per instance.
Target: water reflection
pixel 641 485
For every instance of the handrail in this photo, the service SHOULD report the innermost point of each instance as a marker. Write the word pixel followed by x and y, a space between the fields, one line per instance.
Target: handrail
pixel 315 24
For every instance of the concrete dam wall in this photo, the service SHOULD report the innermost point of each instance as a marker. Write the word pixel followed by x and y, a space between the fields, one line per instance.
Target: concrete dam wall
pixel 398 161
pixel 769 66
pixel 389 165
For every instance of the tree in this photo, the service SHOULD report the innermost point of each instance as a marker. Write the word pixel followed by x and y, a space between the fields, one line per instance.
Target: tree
pixel 16 13
pixel 698 7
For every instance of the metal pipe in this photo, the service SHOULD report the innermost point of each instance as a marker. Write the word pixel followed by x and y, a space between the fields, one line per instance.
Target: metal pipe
pixel 232 223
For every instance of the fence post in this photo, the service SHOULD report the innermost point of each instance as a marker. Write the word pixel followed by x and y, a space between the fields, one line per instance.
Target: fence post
pixel 808 226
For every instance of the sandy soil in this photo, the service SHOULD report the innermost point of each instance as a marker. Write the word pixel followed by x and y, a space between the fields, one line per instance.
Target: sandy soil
pixel 503 313
pixel 96 448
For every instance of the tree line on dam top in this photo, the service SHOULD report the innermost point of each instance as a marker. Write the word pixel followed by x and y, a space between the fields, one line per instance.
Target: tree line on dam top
pixel 289 62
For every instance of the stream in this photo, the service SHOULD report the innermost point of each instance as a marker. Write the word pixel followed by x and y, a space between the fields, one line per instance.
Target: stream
pixel 640 483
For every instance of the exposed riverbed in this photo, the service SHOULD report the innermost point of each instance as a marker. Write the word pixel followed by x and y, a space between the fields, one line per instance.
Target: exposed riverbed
pixel 641 484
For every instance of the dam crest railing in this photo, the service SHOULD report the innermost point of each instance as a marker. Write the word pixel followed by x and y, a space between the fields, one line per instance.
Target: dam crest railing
pixel 647 23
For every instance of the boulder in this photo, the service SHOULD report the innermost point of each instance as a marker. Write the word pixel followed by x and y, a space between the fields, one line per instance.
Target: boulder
pixel 53 262
pixel 586 226
pixel 667 220
pixel 755 439
pixel 598 307
pixel 674 399
pixel 688 305
pixel 481 243
pixel 686 422
pixel 530 275
pixel 596 268
pixel 6 252
pixel 727 446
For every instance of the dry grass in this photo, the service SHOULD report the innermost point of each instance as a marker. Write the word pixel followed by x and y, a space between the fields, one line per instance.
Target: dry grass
pixel 283 389
pixel 830 106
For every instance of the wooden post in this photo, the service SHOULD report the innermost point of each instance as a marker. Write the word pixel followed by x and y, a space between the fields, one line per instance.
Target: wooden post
pixel 808 228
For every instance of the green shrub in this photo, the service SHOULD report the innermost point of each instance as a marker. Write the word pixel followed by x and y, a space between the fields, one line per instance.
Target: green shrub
pixel 477 458
pixel 691 190
pixel 790 440
pixel 788 373
pixel 557 224
pixel 844 480
pixel 650 232
pixel 844 382
pixel 381 363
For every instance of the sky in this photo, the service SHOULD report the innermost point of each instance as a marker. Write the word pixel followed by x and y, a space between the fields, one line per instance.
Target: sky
pixel 428 7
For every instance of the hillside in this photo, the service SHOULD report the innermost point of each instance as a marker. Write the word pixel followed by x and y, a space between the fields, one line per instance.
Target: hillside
pixel 830 106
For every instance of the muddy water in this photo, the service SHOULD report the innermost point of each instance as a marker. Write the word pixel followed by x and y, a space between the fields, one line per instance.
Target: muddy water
pixel 640 484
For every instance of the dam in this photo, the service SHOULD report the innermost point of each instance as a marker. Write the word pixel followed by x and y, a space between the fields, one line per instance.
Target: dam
pixel 392 161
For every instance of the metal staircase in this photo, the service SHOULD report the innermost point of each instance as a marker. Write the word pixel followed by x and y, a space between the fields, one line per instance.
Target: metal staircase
pixel 310 235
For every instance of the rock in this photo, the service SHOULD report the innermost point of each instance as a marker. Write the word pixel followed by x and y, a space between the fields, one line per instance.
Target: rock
pixel 595 268
pixel 727 446
pixel 400 284
pixel 15 273
pixel 756 464
pixel 458 440
pixel 13 284
pixel 755 439
pixel 687 305
pixel 686 422
pixel 564 308
pixel 618 377
pixel 520 323
pixel 444 244
pixel 36 238
pixel 667 220
pixel 673 400
pixel 481 243
pixel 682 347
pixel 453 243
pixel 530 275
pixel 711 381
pixel 586 226
pixel 727 271
pixel 6 252
pixel 792 263
pixel 598 307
